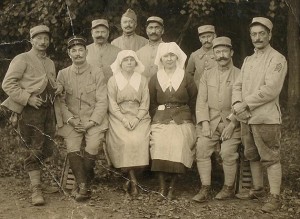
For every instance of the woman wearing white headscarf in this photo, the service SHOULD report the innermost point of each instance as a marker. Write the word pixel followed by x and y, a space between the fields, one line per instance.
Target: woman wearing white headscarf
pixel 172 108
pixel 129 120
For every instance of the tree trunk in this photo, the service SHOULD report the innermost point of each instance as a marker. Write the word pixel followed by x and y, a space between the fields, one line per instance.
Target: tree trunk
pixel 293 56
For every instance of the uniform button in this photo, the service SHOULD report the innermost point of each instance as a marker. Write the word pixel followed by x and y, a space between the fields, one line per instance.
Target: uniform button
pixel 205 68
pixel 220 100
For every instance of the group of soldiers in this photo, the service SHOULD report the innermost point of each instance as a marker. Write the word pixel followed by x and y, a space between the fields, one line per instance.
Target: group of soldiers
pixel 233 105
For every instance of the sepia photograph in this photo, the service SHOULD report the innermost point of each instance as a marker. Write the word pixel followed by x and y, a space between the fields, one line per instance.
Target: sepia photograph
pixel 149 109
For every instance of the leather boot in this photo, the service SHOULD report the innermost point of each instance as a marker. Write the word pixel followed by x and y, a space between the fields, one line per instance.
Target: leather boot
pixel 273 203
pixel 203 194
pixel 37 195
pixel 227 192
pixel 89 165
pixel 77 166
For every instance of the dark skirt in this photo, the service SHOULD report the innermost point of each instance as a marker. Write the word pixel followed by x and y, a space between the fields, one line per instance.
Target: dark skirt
pixel 167 166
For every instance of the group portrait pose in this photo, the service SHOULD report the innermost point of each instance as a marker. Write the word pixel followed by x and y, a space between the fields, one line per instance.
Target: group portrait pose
pixel 152 107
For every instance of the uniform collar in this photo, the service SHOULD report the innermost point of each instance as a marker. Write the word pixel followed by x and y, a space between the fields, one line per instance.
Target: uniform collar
pixel 262 51
pixel 224 69
pixel 40 56
pixel 80 69
pixel 202 53
pixel 100 46
pixel 154 44
pixel 128 35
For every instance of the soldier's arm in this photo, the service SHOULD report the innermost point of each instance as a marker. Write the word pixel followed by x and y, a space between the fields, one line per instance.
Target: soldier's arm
pixel 66 114
pixel 11 80
pixel 237 86
pixel 202 109
pixel 190 68
pixel 101 105
pixel 274 78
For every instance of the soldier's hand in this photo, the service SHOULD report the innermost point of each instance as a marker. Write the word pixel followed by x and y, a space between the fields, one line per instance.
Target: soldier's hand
pixel 35 101
pixel 206 131
pixel 76 123
pixel 80 128
pixel 243 116
pixel 228 131
pixel 239 107
pixel 89 125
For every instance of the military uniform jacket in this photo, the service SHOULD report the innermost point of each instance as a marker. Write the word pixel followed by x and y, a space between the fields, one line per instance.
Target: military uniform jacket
pixel 84 96
pixel 28 74
pixel 102 57
pixel 215 94
pixel 133 42
pixel 147 55
pixel 259 85
pixel 200 61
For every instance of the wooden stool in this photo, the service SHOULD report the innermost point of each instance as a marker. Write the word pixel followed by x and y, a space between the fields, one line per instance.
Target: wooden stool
pixel 67 180
pixel 244 176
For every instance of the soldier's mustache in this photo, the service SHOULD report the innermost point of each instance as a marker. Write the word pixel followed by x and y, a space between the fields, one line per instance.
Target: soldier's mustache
pixel 222 58
pixel 153 34
pixel 100 38
pixel 257 41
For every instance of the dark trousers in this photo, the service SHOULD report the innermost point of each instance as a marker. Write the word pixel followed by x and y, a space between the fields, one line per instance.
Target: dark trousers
pixel 37 128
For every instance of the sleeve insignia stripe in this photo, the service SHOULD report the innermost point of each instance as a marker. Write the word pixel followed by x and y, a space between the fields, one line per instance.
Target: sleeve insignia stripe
pixel 278 67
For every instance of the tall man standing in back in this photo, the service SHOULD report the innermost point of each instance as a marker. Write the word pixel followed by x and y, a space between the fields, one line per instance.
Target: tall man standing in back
pixel 147 54
pixel 129 40
pixel 203 58
pixel 31 86
pixel 101 53
pixel 256 102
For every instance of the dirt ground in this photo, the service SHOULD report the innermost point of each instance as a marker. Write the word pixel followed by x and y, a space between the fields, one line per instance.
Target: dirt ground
pixel 110 201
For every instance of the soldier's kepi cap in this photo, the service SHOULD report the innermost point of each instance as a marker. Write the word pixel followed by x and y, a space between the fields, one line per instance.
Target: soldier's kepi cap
pixel 100 22
pixel 76 40
pixel 39 29
pixel 222 41
pixel 155 19
pixel 262 21
pixel 206 29
pixel 130 14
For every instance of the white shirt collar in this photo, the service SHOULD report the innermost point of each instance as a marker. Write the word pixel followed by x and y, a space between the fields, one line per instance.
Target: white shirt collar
pixel 134 81
pixel 166 82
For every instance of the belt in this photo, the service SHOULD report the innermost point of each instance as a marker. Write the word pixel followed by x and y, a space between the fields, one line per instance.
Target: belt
pixel 174 105
pixel 170 106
